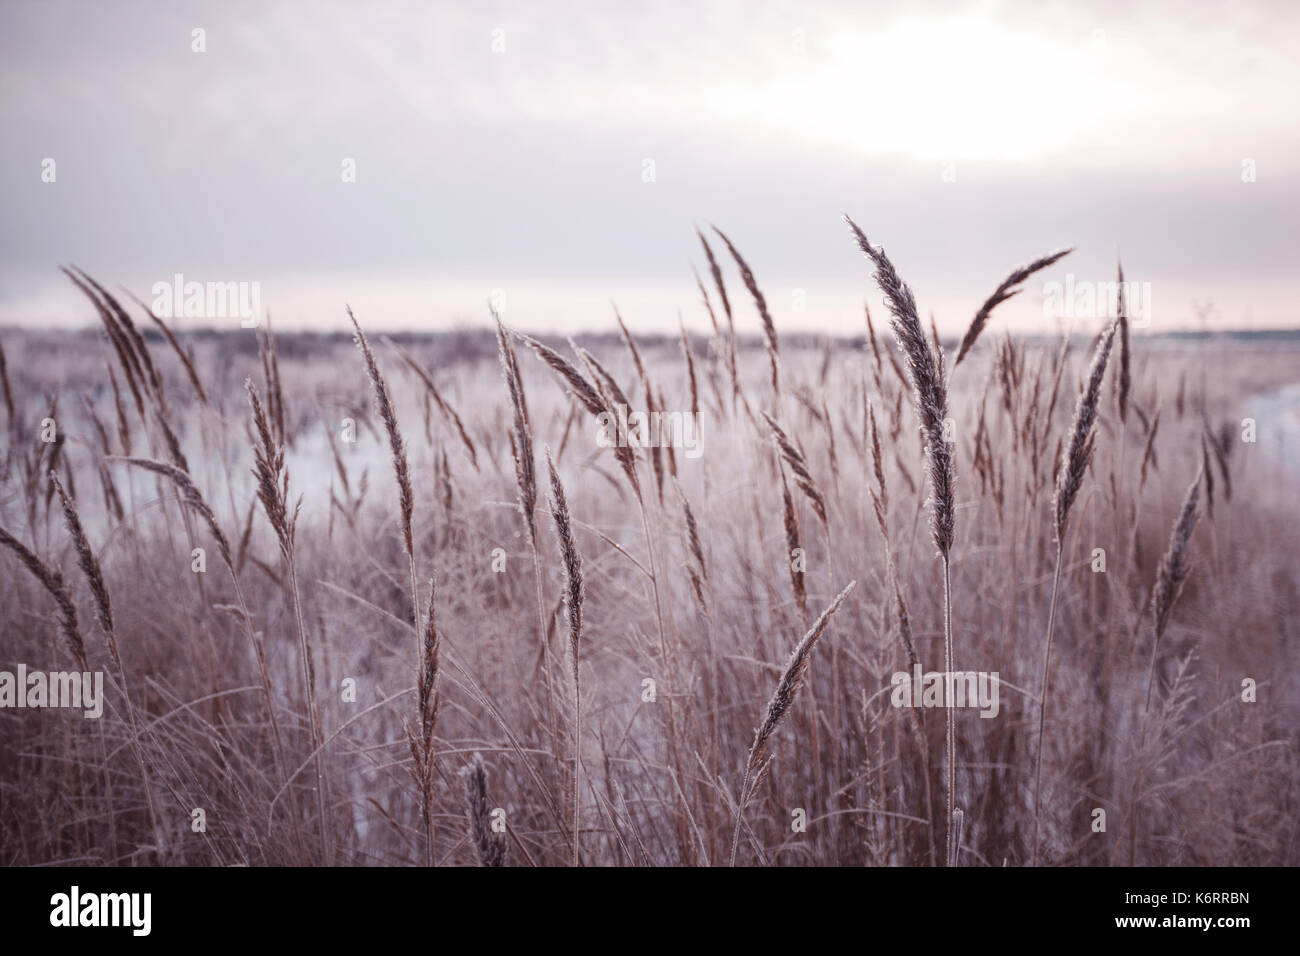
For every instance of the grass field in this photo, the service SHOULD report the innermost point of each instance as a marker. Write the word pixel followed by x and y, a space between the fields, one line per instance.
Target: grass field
pixel 618 655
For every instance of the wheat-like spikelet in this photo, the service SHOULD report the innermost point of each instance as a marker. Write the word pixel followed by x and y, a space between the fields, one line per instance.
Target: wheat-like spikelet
pixel 273 491
pixel 151 374
pixel 186 361
pixel 792 544
pixel 654 451
pixel 929 390
pixel 1171 574
pixel 1069 479
pixel 268 468
pixel 428 701
pixel 699 570
pixel 384 408
pixel 269 356
pixel 787 689
pixel 1173 569
pixel 770 342
pixel 128 341
pixel 521 436
pixel 1006 290
pixel 191 497
pixel 803 478
pixel 117 339
pixel 573 380
pixel 491 851
pixel 52 580
pixel 89 565
pixel 930 397
pixel 571 561
pixel 1078 453
pixel 612 396
pixel 690 370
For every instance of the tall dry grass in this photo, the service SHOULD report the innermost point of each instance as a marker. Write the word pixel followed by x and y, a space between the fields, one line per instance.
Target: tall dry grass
pixel 647 687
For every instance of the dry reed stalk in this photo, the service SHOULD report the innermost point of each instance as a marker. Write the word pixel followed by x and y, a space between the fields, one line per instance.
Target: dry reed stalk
pixel 875 345
pixel 125 355
pixel 125 338
pixel 192 498
pixel 654 451
pixel 954 852
pixel 1148 450
pixel 690 370
pixel 444 406
pixel 1073 466
pixel 1006 290
pixel 1219 448
pixel 1209 478
pixel 406 505
pixel 397 447
pixel 8 392
pixel 571 561
pixel 428 701
pixel 52 580
pixel 89 565
pixel 1057 373
pixel 272 490
pixel 793 545
pixel 1124 382
pixel 1171 574
pixel 783 697
pixel 803 478
pixel 521 433
pixel 770 343
pixel 731 360
pixel 123 424
pixel 930 398
pixel 491 851
pixel 708 304
pixel 573 380
pixel 150 374
pixel 611 397
pixel 699 571
pixel 521 447
pixel 269 355
pixel 1174 568
pixel 187 362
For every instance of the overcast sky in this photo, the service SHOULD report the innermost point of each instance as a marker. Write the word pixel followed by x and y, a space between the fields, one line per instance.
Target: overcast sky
pixel 506 146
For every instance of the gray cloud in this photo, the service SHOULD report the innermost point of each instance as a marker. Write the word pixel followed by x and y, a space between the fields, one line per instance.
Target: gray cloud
pixel 1064 124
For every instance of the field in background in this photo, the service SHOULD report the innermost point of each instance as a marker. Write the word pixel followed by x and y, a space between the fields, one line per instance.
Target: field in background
pixel 683 641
